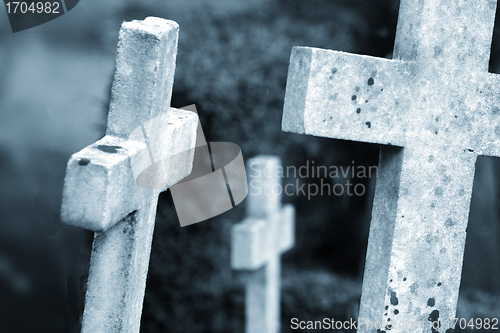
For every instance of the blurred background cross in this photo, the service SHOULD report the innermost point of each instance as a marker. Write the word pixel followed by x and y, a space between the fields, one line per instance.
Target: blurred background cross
pixel 259 241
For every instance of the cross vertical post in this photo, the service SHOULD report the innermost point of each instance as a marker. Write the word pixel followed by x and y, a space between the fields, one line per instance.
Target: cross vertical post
pixel 433 109
pixel 259 240
pixel 144 137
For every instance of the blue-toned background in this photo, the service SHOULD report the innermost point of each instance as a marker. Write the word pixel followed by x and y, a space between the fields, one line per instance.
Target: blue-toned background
pixel 233 56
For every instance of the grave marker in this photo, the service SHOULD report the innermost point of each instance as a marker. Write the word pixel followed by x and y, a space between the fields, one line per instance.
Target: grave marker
pixel 434 109
pixel 259 240
pixel 100 191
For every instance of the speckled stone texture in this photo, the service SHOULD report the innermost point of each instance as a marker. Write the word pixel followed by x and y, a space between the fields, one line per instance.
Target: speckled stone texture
pixel 112 186
pixel 259 241
pixel 434 109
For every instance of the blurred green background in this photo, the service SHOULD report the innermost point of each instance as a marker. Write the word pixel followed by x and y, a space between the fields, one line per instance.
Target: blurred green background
pixel 232 63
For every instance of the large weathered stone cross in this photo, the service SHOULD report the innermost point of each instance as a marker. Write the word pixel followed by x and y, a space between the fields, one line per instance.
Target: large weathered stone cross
pixel 434 109
pixel 146 143
pixel 259 240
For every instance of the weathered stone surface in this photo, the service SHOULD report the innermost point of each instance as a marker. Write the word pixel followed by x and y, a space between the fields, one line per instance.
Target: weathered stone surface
pixel 258 242
pixel 145 66
pixel 436 101
pixel 112 186
pixel 118 270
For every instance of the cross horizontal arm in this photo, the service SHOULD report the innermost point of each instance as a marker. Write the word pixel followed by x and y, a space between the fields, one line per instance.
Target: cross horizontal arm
pixel 251 243
pixel 169 157
pixel 98 184
pixel 352 97
pixel 101 183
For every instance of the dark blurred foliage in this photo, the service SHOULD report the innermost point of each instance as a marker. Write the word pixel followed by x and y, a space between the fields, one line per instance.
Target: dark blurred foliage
pixel 232 62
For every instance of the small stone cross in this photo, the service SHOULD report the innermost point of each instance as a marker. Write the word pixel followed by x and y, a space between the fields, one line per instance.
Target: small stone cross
pixel 146 144
pixel 259 240
pixel 434 109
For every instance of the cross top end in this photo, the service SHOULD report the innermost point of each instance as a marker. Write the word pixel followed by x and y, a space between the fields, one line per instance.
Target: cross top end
pixel 446 34
pixel 265 199
pixel 145 66
pixel 152 26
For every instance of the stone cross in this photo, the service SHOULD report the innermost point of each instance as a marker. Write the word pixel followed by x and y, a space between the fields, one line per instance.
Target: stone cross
pixel 145 139
pixel 259 240
pixel 434 108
